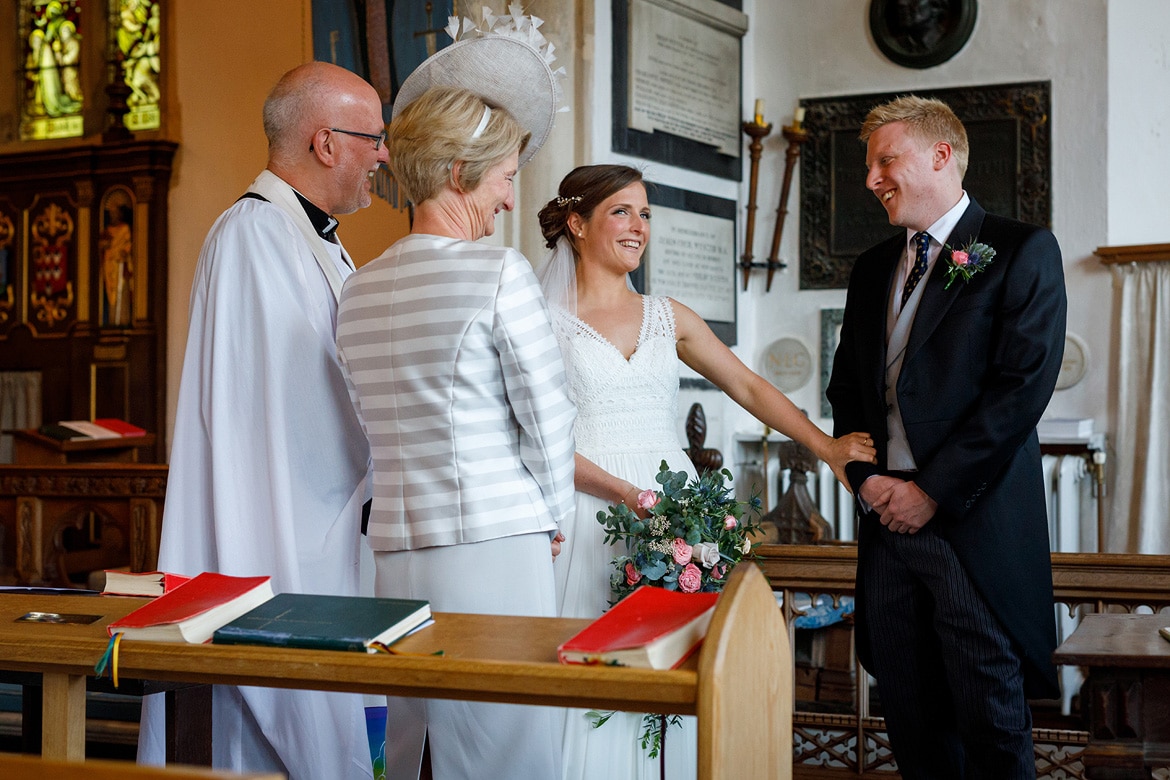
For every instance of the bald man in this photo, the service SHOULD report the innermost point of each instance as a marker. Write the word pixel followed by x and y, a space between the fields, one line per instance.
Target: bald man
pixel 269 462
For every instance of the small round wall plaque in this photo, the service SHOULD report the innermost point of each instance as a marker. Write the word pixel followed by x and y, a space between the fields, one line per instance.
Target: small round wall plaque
pixel 787 364
pixel 1075 364
pixel 921 33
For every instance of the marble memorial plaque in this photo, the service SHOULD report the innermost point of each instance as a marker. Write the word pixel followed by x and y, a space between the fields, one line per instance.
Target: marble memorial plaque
pixel 692 259
pixel 684 77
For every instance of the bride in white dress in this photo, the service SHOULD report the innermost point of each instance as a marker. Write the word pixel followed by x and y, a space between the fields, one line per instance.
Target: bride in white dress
pixel 622 353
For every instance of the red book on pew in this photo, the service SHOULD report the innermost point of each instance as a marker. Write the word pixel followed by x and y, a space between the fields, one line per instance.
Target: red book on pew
pixel 652 628
pixel 193 611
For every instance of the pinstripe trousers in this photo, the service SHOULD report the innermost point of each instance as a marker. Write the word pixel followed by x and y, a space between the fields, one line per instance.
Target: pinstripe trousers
pixel 950 681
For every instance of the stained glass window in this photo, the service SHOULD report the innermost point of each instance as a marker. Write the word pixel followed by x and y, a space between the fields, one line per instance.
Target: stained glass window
pixel 51 44
pixel 135 40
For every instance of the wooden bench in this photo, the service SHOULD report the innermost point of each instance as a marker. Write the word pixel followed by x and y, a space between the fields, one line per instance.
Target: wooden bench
pixel 14 766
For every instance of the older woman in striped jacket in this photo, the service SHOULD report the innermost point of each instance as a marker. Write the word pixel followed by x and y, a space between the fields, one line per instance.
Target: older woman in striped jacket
pixel 457 378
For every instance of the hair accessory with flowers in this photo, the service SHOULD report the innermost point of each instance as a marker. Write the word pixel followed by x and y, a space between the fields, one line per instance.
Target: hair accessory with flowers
pixel 693 534
pixel 967 262
pixel 514 24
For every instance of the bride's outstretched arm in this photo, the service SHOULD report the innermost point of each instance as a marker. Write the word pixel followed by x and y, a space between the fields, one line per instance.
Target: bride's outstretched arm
pixel 596 481
pixel 702 350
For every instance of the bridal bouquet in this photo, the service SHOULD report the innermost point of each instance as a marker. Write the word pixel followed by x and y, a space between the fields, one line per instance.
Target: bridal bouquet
pixel 695 531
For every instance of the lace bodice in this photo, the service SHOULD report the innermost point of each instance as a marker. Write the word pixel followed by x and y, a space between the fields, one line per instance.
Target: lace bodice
pixel 624 406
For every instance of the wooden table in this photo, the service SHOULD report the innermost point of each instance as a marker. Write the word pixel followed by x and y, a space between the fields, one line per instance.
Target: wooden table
pixel 739 685
pixel 1126 698
pixel 31 448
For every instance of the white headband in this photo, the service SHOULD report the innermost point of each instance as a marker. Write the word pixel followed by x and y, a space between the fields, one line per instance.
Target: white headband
pixel 487 114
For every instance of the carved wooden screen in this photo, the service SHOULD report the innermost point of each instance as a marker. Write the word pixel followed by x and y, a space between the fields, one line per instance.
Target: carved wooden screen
pixel 83 267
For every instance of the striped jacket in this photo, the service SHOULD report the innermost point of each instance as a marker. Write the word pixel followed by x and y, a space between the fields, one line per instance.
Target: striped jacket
pixel 457 378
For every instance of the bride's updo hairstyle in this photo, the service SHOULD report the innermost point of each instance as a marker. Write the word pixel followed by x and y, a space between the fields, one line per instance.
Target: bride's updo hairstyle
pixel 581 191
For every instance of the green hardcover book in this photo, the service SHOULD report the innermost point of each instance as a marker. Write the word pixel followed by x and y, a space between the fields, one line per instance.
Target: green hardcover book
pixel 325 622
pixel 61 433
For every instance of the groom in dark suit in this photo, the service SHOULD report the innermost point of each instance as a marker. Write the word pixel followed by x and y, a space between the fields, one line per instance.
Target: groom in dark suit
pixel 949 356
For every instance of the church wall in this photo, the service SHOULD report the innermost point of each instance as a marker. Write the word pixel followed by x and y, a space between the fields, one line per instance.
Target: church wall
pixel 1139 115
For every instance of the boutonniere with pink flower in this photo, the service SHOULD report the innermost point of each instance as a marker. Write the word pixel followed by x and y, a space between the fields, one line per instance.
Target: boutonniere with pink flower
pixel 967 262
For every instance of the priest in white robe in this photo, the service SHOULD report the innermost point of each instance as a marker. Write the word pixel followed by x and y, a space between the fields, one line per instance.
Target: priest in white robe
pixel 269 463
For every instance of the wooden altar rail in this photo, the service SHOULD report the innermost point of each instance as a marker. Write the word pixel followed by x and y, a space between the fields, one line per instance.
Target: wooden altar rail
pixel 739 685
pixel 826 744
pixel 38 504
pixel 1135 253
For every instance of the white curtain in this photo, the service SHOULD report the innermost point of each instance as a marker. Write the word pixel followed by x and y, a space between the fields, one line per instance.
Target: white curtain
pixel 1141 484
pixel 20 405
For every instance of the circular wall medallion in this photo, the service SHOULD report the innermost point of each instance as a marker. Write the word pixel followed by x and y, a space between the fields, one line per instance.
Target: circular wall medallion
pixel 921 33
pixel 1075 363
pixel 787 364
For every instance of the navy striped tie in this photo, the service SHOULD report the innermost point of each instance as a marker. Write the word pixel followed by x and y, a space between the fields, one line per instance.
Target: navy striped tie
pixel 922 242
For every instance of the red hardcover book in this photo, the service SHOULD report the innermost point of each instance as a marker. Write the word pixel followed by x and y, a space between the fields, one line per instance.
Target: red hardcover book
pixel 652 628
pixel 192 612
pixel 141 583
pixel 120 427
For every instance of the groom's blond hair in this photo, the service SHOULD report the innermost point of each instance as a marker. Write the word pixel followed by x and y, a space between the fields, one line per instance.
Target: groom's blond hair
pixel 928 119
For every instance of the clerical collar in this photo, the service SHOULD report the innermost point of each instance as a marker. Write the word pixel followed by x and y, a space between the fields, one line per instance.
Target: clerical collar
pixel 323 223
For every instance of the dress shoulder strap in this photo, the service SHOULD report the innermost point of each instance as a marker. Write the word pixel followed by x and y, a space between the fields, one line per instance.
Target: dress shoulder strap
pixel 659 317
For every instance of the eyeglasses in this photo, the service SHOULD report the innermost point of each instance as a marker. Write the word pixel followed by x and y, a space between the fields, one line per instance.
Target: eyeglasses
pixel 377 138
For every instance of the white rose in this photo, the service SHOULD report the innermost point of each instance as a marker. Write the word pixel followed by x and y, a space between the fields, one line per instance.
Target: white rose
pixel 746 547
pixel 705 553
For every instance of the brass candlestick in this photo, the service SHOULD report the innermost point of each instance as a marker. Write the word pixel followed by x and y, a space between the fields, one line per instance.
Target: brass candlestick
pixel 796 136
pixel 757 130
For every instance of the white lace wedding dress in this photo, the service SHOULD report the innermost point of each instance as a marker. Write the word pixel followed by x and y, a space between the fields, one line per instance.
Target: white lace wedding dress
pixel 627 425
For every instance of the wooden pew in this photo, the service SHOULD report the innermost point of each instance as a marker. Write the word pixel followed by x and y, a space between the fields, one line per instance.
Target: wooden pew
pixel 15 766
pixel 826 744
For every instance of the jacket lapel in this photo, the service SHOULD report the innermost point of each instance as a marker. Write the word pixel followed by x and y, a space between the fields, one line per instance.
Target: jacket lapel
pixel 936 300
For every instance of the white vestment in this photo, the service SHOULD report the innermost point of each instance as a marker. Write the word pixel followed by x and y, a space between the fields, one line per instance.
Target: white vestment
pixel 267 468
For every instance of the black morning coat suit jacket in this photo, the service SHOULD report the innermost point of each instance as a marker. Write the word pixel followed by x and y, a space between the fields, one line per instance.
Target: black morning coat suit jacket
pixel 980 367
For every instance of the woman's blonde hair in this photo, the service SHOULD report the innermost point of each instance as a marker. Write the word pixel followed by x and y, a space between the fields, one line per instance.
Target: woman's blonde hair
pixel 439 129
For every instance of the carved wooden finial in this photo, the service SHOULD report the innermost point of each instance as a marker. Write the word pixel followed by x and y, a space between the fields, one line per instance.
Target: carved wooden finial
pixel 704 459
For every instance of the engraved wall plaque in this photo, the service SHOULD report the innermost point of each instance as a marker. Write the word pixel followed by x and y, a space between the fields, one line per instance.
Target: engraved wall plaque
pixel 691 255
pixel 651 71
pixel 681 74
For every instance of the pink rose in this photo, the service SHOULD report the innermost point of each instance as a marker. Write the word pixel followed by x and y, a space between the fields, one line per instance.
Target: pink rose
pixel 730 522
pixel 682 551
pixel 717 572
pixel 647 499
pixel 633 576
pixel 959 258
pixel 691 579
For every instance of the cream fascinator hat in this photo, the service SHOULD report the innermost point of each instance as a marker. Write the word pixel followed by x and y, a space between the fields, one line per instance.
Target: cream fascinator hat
pixel 503 59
